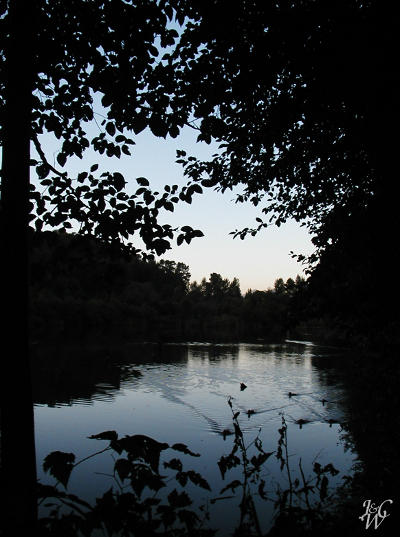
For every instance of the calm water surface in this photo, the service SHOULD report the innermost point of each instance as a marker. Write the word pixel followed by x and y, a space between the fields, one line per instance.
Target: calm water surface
pixel 178 393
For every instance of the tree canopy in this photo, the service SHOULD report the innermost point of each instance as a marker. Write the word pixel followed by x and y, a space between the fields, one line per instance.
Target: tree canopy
pixel 295 93
pixel 104 55
pixel 299 94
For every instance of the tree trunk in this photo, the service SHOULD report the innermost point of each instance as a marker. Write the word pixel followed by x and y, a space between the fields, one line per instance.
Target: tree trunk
pixel 17 426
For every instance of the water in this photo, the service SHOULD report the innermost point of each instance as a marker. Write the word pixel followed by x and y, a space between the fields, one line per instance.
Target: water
pixel 178 393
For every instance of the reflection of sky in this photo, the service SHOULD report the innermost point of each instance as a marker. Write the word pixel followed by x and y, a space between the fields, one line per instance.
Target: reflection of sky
pixel 186 401
pixel 256 261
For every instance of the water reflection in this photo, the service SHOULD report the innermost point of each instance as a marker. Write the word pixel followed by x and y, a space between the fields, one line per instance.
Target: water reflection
pixel 179 393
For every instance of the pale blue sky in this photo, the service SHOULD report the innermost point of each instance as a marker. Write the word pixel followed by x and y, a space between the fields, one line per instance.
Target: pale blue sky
pixel 256 261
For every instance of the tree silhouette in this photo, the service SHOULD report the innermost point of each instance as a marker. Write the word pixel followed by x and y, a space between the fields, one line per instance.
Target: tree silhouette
pixel 301 97
pixel 72 55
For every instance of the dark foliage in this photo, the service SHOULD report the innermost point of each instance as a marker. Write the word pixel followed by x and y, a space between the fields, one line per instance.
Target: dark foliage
pixel 82 287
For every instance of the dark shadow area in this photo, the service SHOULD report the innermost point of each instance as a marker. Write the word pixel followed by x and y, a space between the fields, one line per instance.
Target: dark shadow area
pixel 83 290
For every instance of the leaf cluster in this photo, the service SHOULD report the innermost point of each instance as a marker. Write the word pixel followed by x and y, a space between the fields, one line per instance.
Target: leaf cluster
pixel 134 512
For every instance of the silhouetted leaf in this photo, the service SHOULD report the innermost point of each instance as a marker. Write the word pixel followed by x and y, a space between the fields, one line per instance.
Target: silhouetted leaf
pixel 232 486
pixel 110 128
pixel 61 158
pixel 174 464
pixel 197 233
pixel 105 435
pixel 179 499
pixel 143 447
pixel 258 460
pixel 198 480
pixel 182 478
pixel 118 181
pixel 142 476
pixel 142 181
pixel 123 467
pixel 184 449
pixel 59 465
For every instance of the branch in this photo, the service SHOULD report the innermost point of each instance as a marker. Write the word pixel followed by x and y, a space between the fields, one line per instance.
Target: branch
pixel 44 159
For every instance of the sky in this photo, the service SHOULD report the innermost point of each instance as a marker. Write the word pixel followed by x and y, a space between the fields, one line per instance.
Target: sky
pixel 256 261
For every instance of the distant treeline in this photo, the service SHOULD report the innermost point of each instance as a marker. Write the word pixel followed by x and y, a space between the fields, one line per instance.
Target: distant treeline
pixel 81 287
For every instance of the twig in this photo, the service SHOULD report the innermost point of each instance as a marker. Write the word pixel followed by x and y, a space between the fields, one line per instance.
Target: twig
pixel 44 159
pixel 92 455
pixel 305 485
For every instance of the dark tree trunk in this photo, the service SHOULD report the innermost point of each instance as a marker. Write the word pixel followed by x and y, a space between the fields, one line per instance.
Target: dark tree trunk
pixel 17 426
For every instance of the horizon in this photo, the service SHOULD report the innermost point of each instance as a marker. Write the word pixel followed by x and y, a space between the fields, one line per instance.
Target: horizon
pixel 256 261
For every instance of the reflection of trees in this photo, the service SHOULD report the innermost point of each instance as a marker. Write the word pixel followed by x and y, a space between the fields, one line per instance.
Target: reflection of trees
pixel 64 374
pixel 370 430
pixel 372 399
pixel 214 352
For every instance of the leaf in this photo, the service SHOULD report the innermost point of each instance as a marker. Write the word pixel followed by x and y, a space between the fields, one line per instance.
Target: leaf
pixel 138 124
pixel 226 463
pixel 182 478
pixel 143 447
pixel 196 188
pixel 198 480
pixel 232 486
pixel 197 233
pixel 179 499
pixel 142 477
pixel 258 460
pixel 42 171
pixel 160 246
pixel 142 181
pixel 331 469
pixel 110 128
pixel 94 167
pixel 59 465
pixel 158 126
pixel 174 464
pixel 123 467
pixel 209 182
pixel 105 435
pixel 61 159
pixel 184 449
pixel 173 131
pixel 101 204
pixel 118 181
